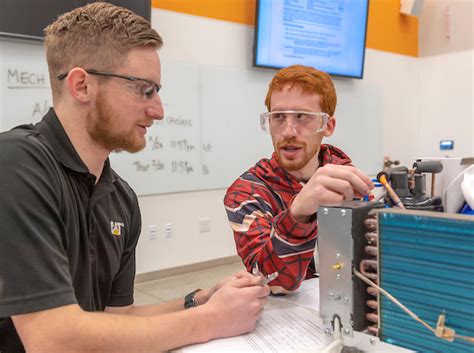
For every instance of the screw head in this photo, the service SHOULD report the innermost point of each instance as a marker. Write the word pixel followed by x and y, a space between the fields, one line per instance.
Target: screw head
pixel 338 276
pixel 328 332
pixel 338 255
pixel 346 331
pixel 331 295
pixel 343 213
pixel 372 340
pixel 325 211
pixel 345 300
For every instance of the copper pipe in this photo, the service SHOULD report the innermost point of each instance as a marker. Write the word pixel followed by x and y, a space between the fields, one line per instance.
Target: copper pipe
pixel 371 250
pixel 373 291
pixel 372 238
pixel 373 304
pixel 371 223
pixel 374 317
pixel 373 329
pixel 433 180
pixel 369 264
pixel 372 276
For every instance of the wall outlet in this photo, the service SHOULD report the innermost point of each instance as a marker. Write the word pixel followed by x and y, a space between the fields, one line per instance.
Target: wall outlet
pixel 204 225
pixel 168 230
pixel 152 232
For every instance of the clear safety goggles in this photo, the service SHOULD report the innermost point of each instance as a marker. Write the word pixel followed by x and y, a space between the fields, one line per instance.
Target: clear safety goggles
pixel 300 122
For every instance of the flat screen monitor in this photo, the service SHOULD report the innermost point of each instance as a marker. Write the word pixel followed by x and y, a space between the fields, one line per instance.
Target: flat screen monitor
pixel 27 18
pixel 326 34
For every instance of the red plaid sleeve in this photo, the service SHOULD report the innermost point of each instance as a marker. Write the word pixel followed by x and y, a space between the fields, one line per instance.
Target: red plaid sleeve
pixel 268 235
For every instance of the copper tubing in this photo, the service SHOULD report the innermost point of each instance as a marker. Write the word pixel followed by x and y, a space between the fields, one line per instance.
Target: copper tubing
pixel 369 264
pixel 373 329
pixel 371 250
pixel 373 304
pixel 372 276
pixel 372 238
pixel 411 178
pixel 373 317
pixel 369 268
pixel 373 291
pixel 371 223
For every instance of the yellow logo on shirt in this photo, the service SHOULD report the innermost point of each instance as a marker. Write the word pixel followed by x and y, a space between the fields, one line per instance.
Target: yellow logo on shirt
pixel 116 228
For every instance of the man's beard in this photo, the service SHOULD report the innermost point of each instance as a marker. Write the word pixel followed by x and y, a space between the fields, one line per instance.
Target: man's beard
pixel 105 131
pixel 309 150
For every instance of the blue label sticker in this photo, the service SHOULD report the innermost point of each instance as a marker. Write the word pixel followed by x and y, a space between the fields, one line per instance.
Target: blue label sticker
pixel 446 144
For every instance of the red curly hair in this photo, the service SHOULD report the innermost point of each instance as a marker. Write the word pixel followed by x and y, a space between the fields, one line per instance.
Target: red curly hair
pixel 310 80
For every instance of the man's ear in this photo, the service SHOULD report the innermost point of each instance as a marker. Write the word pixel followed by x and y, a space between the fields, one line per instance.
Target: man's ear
pixel 330 126
pixel 80 85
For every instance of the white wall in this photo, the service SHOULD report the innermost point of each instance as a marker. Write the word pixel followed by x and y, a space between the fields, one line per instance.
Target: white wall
pixel 446 104
pixel 446 43
pixel 419 100
pixel 186 245
pixel 445 26
pixel 202 41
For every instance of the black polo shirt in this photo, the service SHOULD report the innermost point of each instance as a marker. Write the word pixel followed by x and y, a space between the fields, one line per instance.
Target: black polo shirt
pixel 63 238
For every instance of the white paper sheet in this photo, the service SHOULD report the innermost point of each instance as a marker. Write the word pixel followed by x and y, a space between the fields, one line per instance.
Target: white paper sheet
pixel 307 295
pixel 295 329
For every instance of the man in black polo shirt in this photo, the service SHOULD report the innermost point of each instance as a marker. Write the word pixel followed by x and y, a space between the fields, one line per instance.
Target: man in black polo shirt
pixel 69 224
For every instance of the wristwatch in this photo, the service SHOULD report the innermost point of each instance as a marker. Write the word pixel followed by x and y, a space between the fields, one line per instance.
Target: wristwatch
pixel 190 300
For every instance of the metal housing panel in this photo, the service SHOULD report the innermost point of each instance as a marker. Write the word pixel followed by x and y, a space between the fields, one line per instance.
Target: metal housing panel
pixel 341 241
pixel 335 248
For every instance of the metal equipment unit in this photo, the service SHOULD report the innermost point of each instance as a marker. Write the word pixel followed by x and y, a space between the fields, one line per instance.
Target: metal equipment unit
pixel 341 243
pixel 426 261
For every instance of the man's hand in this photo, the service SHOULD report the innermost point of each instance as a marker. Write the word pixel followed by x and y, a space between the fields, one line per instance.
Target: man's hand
pixel 237 305
pixel 203 296
pixel 331 185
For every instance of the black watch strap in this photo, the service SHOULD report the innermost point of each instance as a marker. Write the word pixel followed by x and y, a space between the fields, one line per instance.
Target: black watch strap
pixel 190 300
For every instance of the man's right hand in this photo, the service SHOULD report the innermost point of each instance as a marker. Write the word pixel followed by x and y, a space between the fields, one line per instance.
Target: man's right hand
pixel 330 185
pixel 233 310
pixel 237 305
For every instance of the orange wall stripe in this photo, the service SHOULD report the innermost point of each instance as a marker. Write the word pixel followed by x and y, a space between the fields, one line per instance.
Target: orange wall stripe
pixel 240 11
pixel 387 29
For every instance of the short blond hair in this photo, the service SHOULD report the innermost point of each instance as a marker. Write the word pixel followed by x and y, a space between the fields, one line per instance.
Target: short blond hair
pixel 96 36
pixel 309 80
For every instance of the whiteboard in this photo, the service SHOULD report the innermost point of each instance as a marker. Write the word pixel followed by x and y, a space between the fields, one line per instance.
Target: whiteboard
pixel 210 133
pixel 25 90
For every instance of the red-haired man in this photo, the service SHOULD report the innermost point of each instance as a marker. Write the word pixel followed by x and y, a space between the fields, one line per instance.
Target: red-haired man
pixel 272 208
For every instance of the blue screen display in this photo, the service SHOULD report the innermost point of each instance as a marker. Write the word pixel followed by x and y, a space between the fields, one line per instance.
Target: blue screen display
pixel 326 34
